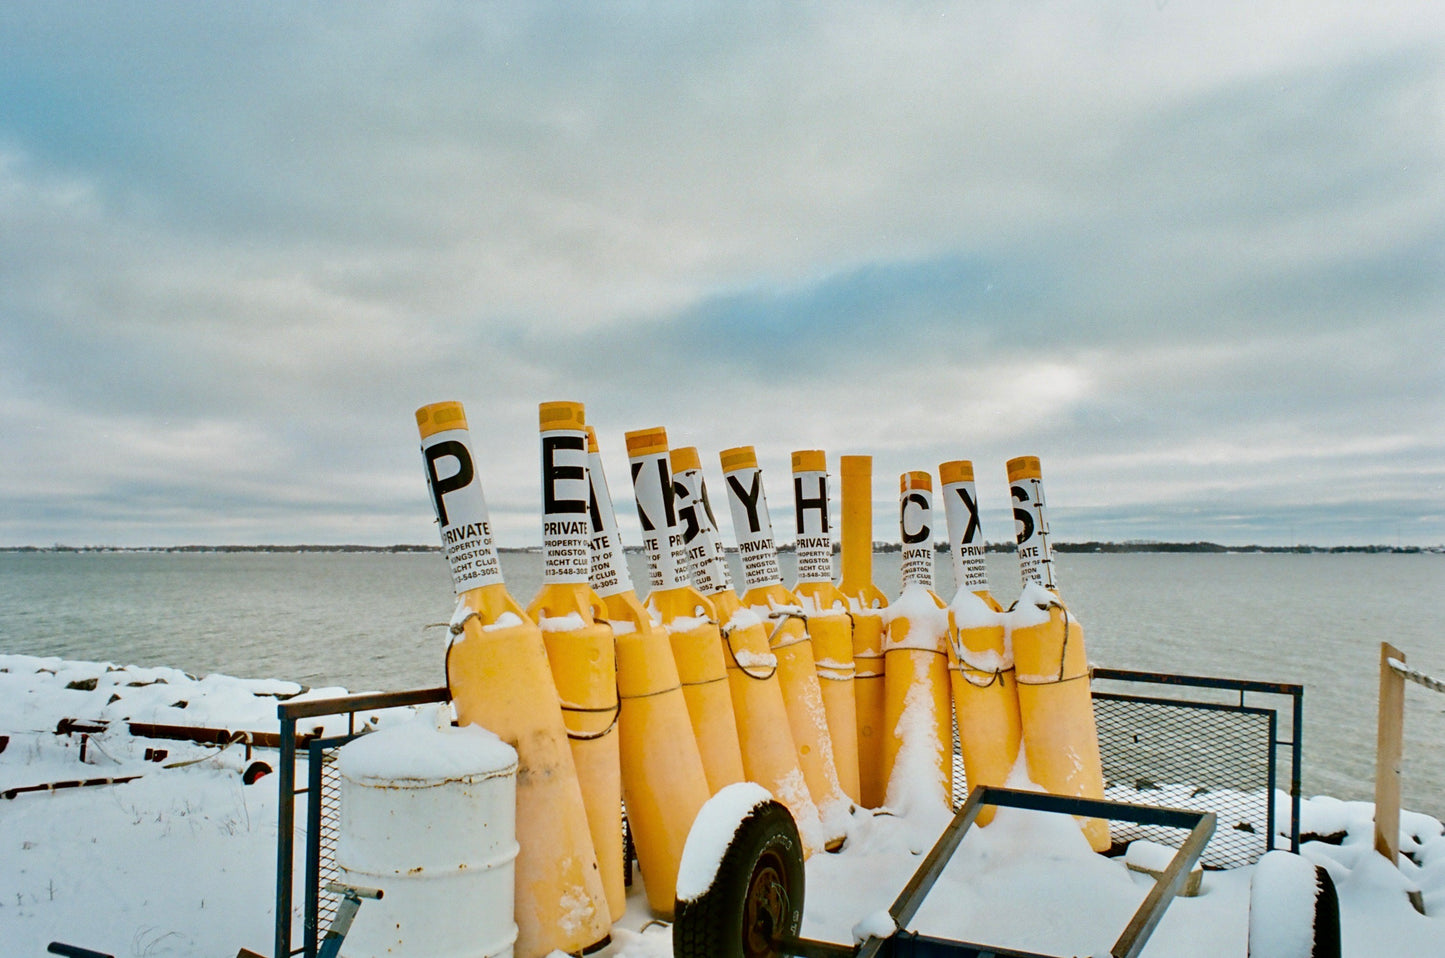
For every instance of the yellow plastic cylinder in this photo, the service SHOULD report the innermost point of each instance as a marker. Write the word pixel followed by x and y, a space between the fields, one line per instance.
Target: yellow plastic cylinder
pixel 769 754
pixel 917 706
pixel 696 641
pixel 689 618
pixel 663 781
pixel 579 640
pixel 980 661
pixel 866 604
pixel 499 678
pixel 787 639
pixel 1060 739
pixel 830 627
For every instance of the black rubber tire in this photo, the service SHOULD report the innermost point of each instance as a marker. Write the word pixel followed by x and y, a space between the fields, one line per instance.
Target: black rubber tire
pixel 757 892
pixel 1324 931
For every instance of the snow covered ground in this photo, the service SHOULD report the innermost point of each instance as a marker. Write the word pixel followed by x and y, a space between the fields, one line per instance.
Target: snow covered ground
pixel 181 859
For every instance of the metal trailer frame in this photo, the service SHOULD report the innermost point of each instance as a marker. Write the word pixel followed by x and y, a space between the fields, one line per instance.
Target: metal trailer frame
pixel 907 944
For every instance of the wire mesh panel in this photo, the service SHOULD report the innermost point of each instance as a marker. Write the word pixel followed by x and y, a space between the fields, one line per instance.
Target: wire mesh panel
pixel 1191 755
pixel 1196 745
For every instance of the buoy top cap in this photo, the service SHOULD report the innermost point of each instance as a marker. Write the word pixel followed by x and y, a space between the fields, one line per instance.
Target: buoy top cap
pixel 856 466
pixel 592 446
pixel 955 470
pixel 684 458
pixel 1024 467
pixel 915 480
pixel 810 460
pixel 646 442
pixel 439 417
pixel 561 415
pixel 739 457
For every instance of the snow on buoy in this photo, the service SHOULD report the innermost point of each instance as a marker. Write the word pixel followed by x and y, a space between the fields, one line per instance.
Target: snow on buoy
pixel 690 620
pixel 578 639
pixel 980 661
pixel 499 678
pixel 770 757
pixel 797 671
pixel 830 627
pixel 917 702
pixel 1060 738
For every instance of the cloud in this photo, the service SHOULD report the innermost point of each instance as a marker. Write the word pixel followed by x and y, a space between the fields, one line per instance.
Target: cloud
pixel 1201 249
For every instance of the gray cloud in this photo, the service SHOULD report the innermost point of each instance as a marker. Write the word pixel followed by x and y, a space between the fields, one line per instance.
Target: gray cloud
pixel 1192 257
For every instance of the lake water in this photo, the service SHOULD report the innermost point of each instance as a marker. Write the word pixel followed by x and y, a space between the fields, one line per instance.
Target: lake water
pixel 360 621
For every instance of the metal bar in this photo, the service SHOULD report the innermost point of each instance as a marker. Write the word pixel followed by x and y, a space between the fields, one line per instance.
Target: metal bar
pixel 312 708
pixel 209 736
pixel 1296 757
pixel 1142 925
pixel 1272 782
pixel 72 783
pixel 312 904
pixel 1197 681
pixel 1184 703
pixel 286 832
pixel 806 948
pixel 909 945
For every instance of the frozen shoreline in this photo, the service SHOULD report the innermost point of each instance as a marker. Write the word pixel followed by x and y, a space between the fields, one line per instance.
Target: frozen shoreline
pixel 181 860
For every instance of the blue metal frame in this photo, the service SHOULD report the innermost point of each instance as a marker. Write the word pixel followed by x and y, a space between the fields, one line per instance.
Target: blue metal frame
pixel 1129 944
pixel 290 713
pixel 1241 687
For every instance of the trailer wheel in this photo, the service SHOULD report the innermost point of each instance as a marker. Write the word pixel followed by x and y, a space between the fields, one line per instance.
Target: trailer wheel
pixel 1293 909
pixel 756 892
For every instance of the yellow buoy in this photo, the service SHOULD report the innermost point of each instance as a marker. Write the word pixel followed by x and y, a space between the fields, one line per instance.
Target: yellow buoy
pixel 980 662
pixel 578 639
pixel 770 757
pixel 1060 739
pixel 499 678
pixel 788 639
pixel 663 782
pixel 866 603
pixel 689 618
pixel 826 609
pixel 918 713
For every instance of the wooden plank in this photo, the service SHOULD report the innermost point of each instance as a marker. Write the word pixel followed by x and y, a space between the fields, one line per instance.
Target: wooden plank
pixel 1388 751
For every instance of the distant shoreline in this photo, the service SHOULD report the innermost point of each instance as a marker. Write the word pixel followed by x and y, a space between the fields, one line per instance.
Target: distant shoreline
pixel 1003 547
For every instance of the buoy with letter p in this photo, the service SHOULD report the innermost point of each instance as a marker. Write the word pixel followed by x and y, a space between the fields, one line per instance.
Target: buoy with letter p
pixel 499 679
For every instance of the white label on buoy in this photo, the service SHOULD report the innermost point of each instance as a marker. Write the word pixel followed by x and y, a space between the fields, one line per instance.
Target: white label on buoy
pixel 965 536
pixel 608 573
pixel 461 509
pixel 1031 531
pixel 814 545
pixel 754 529
pixel 705 556
pixel 566 527
pixel 657 511
pixel 915 523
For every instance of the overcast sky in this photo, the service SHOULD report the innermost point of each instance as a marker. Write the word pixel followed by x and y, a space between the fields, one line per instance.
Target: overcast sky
pixel 1191 253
